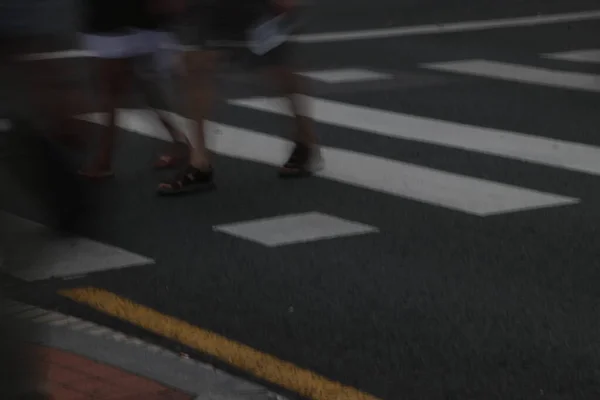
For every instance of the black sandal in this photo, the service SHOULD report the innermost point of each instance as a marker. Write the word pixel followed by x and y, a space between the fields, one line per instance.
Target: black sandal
pixel 299 164
pixel 190 180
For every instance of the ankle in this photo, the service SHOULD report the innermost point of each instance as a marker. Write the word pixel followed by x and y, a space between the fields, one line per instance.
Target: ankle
pixel 200 162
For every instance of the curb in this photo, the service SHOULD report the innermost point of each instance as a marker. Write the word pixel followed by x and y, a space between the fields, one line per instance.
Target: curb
pixel 132 354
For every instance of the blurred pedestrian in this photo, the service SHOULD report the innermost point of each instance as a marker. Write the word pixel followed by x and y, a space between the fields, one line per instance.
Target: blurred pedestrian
pixel 39 103
pixel 254 29
pixel 123 36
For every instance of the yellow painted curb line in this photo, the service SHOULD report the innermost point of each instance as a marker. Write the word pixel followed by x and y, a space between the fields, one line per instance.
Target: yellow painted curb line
pixel 261 365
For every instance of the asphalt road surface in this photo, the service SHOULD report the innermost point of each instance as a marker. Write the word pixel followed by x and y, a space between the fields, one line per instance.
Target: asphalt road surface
pixel 465 166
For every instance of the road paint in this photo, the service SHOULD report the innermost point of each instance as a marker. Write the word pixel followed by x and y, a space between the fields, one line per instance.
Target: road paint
pixel 34 253
pixel 585 56
pixel 55 55
pixel 540 150
pixel 259 364
pixel 345 75
pixel 131 354
pixel 296 228
pixel 453 191
pixel 453 27
pixel 521 74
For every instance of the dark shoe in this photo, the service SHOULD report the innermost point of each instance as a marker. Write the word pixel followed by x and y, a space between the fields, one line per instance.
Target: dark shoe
pixel 189 180
pixel 304 161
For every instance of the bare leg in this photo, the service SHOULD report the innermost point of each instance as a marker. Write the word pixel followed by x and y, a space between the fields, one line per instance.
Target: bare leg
pixel 200 73
pixel 114 75
pixel 154 87
pixel 305 157
pixel 178 151
pixel 291 86
pixel 201 69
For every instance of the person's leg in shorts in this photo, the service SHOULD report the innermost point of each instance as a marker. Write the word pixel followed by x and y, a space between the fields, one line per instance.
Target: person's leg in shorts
pixel 201 68
pixel 156 76
pixel 305 157
pixel 112 63
pixel 200 65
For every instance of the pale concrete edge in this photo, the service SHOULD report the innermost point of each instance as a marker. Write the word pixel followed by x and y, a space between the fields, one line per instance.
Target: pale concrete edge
pixel 131 354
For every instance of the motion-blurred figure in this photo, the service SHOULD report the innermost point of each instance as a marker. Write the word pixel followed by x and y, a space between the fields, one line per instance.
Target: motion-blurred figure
pixel 35 143
pixel 256 30
pixel 124 37
pixel 40 101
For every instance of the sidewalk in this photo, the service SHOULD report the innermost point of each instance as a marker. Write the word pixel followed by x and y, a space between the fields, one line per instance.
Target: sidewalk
pixel 73 377
pixel 84 360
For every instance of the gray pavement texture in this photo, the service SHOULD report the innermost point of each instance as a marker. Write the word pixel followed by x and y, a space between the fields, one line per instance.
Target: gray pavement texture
pixel 438 304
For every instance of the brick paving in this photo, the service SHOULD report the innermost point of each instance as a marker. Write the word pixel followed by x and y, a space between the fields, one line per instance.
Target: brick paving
pixel 72 377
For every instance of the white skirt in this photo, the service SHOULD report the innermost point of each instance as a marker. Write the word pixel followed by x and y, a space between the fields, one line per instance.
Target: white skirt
pixel 125 45
pixel 162 48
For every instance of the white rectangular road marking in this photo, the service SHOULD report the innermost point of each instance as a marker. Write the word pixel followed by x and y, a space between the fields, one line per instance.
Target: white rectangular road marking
pixel 55 55
pixel 545 151
pixel 453 191
pixel 452 27
pixel 345 75
pixel 35 254
pixel 298 228
pixel 521 73
pixel 586 56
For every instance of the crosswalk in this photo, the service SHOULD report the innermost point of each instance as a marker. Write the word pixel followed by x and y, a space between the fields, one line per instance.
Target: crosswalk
pixel 521 74
pixel 585 56
pixel 529 74
pixel 466 194
pixel 408 181
pixel 470 195
pixel 31 251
